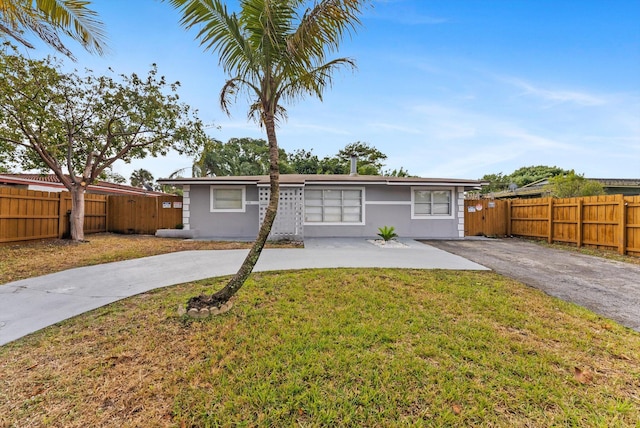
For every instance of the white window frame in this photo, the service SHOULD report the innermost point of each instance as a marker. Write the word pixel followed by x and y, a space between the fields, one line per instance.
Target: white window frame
pixel 452 198
pixel 336 223
pixel 212 199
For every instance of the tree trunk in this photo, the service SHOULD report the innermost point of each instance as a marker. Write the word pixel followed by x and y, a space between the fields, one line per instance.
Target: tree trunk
pixel 77 213
pixel 251 259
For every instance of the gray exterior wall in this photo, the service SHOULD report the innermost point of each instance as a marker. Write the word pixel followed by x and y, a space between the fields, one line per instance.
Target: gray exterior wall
pixel 216 225
pixel 389 206
pixel 384 205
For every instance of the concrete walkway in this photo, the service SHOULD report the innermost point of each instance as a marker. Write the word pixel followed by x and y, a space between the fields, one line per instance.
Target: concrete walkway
pixel 31 304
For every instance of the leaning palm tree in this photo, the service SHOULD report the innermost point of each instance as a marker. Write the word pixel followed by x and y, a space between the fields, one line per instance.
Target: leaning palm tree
pixel 47 18
pixel 275 51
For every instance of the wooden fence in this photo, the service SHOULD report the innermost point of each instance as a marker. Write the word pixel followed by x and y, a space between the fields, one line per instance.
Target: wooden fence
pixel 485 217
pixel 142 214
pixel 608 221
pixel 29 215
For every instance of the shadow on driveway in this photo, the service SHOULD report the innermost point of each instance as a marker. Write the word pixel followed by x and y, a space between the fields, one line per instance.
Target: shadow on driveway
pixel 606 287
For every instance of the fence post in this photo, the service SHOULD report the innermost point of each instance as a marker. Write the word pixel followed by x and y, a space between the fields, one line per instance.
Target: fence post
pixel 622 230
pixel 579 224
pixel 550 239
pixel 508 217
pixel 3 232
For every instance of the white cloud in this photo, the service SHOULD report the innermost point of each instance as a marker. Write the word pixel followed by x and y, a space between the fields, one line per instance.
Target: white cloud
pixel 557 95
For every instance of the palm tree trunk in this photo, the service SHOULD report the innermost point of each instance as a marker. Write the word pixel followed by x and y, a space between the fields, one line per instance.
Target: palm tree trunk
pixel 251 259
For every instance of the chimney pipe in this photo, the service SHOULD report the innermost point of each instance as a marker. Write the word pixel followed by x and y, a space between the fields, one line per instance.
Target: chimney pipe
pixel 354 165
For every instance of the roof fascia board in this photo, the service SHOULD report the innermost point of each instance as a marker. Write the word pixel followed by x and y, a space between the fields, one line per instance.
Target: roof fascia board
pixel 435 183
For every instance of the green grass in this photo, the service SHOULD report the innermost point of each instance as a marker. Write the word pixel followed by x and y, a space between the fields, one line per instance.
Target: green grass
pixel 339 347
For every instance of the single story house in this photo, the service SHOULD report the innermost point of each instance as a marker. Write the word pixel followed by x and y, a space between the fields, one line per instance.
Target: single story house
pixel 324 206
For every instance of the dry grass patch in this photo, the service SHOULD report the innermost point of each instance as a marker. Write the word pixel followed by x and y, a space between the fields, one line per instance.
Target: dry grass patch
pixel 339 347
pixel 24 260
pixel 589 251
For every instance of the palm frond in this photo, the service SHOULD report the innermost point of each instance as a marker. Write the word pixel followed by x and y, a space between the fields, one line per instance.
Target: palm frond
pixel 230 90
pixel 273 49
pixel 323 27
pixel 218 31
pixel 77 21
pixel 46 18
pixel 314 82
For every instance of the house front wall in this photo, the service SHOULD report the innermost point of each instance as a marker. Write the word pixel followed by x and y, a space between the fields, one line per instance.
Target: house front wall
pixel 386 205
pixel 383 205
pixel 222 225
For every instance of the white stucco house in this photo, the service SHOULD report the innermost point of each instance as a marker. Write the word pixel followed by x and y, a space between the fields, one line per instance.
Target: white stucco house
pixel 232 208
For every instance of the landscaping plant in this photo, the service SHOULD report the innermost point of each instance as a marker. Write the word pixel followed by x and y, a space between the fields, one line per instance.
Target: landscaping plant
pixel 387 233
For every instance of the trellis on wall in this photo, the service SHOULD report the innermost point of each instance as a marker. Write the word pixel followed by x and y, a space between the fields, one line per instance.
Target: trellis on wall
pixel 289 222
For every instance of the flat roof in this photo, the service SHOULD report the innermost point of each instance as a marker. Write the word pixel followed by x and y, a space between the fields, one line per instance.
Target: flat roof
pixel 302 179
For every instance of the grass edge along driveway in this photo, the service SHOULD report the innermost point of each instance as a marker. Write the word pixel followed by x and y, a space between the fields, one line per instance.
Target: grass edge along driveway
pixel 346 347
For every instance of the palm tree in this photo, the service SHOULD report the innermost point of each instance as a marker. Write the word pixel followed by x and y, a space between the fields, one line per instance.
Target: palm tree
pixel 275 52
pixel 47 18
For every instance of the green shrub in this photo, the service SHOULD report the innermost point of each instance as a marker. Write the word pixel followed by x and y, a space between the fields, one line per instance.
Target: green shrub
pixel 387 233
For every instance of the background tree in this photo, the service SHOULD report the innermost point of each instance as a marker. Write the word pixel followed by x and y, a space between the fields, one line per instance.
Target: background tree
pixel 142 178
pixel 529 174
pixel 520 177
pixel 61 121
pixel 497 182
pixel 238 156
pixel 397 173
pixel 304 162
pixel 572 185
pixel 275 52
pixel 370 159
pixel 48 18
pixel 112 177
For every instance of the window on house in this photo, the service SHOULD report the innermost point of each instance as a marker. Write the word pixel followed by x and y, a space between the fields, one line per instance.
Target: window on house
pixel 429 203
pixel 333 206
pixel 227 199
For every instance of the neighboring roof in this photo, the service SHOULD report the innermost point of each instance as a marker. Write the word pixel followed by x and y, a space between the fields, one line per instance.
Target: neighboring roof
pixel 302 179
pixel 538 188
pixel 618 182
pixel 52 181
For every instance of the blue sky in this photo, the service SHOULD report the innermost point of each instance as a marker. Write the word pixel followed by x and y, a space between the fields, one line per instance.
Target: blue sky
pixel 452 89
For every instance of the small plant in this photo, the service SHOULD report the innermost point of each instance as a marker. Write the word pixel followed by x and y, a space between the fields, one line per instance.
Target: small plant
pixel 179 226
pixel 387 233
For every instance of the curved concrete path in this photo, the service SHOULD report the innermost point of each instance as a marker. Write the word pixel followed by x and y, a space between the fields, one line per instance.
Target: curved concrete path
pixel 31 304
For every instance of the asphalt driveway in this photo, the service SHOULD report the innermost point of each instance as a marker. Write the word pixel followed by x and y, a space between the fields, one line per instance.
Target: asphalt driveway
pixel 606 287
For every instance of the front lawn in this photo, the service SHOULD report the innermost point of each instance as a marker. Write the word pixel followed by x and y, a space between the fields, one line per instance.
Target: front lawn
pixel 338 347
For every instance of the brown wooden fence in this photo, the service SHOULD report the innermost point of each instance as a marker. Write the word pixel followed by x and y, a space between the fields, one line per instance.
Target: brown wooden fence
pixel 485 217
pixel 29 215
pixel 142 214
pixel 608 221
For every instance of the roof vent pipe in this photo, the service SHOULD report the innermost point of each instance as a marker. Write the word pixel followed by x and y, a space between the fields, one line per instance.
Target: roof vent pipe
pixel 354 165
